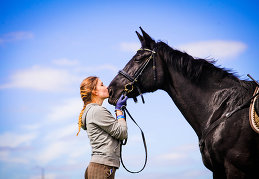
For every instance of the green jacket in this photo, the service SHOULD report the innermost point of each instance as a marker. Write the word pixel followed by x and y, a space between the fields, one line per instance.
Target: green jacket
pixel 105 134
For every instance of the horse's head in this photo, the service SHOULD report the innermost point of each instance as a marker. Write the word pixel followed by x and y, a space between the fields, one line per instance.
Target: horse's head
pixel 143 73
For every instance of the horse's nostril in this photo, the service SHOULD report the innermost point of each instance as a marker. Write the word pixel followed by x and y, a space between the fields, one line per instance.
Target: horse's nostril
pixel 110 92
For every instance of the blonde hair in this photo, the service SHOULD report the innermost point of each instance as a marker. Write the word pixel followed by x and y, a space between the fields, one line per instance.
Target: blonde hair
pixel 86 88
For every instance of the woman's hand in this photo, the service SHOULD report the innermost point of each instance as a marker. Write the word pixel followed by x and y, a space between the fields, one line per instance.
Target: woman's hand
pixel 122 102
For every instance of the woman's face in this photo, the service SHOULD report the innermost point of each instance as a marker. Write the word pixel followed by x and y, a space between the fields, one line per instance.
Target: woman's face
pixel 101 90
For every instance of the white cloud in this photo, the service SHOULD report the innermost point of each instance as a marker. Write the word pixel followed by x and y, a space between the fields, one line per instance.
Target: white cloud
pixel 42 79
pixel 6 156
pixel 70 108
pixel 31 126
pixel 53 79
pixel 79 152
pixel 48 176
pixel 15 36
pixel 62 133
pixel 187 147
pixel 62 141
pixel 217 49
pixel 65 62
pixel 129 46
pixel 72 149
pixel 135 139
pixel 53 151
pixel 14 140
pixel 171 156
pixel 179 153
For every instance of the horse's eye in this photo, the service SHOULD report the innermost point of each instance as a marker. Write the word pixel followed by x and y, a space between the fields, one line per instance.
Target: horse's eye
pixel 139 57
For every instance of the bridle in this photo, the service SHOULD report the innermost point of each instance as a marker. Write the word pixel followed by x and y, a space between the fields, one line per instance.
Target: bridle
pixel 129 87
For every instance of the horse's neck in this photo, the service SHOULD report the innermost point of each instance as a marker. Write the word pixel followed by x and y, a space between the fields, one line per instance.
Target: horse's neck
pixel 192 99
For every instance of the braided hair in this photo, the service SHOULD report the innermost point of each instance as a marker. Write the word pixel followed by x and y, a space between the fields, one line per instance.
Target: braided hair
pixel 86 88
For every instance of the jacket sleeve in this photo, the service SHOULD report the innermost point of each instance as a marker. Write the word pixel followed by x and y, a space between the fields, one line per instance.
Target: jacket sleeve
pixel 104 119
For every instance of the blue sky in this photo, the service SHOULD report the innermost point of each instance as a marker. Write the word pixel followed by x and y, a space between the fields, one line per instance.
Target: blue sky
pixel 48 47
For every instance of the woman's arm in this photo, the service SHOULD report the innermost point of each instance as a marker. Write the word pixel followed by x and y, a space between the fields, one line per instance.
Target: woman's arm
pixel 119 113
pixel 104 119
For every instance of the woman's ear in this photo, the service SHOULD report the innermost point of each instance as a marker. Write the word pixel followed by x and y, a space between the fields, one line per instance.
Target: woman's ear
pixel 95 92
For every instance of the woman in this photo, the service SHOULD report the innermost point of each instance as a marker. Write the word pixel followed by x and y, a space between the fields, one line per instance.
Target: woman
pixel 104 131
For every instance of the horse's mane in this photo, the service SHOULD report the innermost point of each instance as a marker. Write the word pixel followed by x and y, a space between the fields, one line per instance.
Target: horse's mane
pixel 193 68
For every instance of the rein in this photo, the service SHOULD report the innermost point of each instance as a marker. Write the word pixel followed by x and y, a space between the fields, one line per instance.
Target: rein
pixel 125 142
pixel 129 88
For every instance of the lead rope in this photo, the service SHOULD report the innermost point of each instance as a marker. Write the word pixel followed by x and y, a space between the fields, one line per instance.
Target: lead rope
pixel 125 141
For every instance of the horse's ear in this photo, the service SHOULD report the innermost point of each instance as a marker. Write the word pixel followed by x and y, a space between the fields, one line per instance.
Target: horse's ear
pixel 140 37
pixel 147 42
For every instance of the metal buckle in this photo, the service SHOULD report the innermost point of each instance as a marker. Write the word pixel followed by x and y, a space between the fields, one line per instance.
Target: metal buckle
pixel 128 88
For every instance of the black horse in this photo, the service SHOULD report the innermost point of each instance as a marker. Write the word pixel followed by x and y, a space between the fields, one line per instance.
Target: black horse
pixel 204 94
